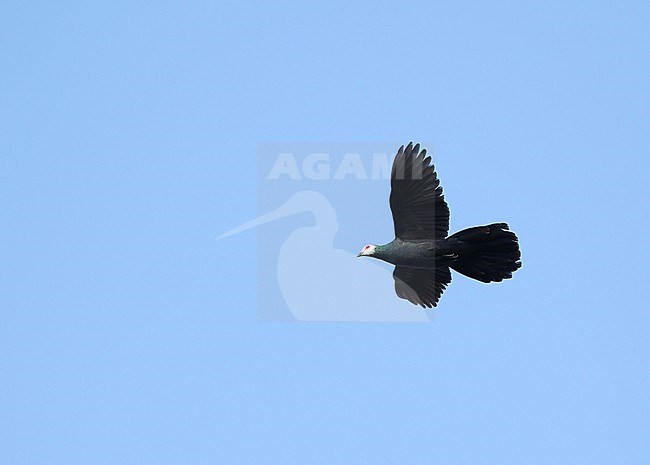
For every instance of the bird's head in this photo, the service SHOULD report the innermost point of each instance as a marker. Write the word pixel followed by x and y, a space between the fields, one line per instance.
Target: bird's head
pixel 367 251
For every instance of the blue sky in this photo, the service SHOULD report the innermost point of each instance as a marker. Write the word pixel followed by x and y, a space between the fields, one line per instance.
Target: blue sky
pixel 128 141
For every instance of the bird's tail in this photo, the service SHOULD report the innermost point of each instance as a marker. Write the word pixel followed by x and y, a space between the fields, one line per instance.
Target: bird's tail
pixel 487 253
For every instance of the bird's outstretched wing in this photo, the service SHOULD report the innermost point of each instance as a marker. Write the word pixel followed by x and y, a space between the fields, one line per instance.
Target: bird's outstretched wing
pixel 416 200
pixel 421 286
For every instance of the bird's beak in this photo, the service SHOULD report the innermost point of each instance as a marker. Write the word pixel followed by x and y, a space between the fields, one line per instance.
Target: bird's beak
pixel 360 254
pixel 281 212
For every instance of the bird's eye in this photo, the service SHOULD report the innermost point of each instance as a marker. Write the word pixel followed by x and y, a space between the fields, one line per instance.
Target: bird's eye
pixel 366 247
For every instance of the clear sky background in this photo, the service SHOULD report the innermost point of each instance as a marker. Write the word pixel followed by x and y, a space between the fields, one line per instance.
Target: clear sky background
pixel 128 135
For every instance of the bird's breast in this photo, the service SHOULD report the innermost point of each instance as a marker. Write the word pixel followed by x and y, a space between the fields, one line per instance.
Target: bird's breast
pixel 416 254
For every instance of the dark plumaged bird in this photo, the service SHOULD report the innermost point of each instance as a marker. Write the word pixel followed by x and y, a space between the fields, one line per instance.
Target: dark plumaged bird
pixel 421 251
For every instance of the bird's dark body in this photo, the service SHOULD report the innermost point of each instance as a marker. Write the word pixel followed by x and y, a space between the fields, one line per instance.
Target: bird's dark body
pixel 422 251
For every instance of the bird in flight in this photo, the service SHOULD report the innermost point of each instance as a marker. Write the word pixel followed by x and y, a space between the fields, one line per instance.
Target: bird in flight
pixel 421 251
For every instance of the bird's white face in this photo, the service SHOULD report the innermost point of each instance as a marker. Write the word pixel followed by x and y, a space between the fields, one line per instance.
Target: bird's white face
pixel 367 251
